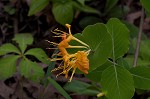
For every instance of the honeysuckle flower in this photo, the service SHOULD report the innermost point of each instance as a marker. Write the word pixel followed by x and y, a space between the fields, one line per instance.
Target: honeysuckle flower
pixel 71 61
pixel 78 60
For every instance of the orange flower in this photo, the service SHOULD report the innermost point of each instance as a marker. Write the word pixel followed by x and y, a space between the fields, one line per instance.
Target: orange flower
pixel 78 60
pixel 71 61
pixel 82 61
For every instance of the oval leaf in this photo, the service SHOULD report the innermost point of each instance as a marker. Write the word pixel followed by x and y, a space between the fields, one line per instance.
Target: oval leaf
pixel 141 76
pixel 39 54
pixel 23 40
pixel 31 70
pixel 120 37
pixel 8 48
pixel 117 83
pixel 98 38
pixel 37 6
pixel 63 12
pixel 8 66
pixel 95 75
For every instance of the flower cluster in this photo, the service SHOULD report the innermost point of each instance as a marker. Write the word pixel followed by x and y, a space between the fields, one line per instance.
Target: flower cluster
pixel 71 61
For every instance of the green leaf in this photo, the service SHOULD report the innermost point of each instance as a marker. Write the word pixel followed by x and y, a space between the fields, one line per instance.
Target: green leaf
pixel 9 9
pixel 95 75
pixel 31 70
pixel 124 63
pixel 81 1
pixel 134 30
pixel 8 48
pixel 59 88
pixel 141 76
pixel 148 98
pixel 63 13
pixel 81 88
pixel 145 4
pixel 120 37
pixel 144 49
pixel 39 54
pixel 37 6
pixel 23 40
pixel 88 20
pixel 118 11
pixel 85 8
pixel 140 62
pixel 60 1
pixel 51 64
pixel 117 83
pixel 99 41
pixel 98 38
pixel 8 66
pixel 110 4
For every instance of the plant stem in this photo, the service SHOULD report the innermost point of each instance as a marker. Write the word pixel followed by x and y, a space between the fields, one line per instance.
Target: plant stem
pixel 139 39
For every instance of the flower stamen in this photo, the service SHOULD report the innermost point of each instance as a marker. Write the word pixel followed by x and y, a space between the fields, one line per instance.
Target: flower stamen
pixel 55 59
pixel 71 61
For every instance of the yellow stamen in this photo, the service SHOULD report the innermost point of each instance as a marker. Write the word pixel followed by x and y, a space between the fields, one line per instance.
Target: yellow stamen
pixel 57 30
pixel 56 33
pixel 53 43
pixel 72 74
pixel 58 68
pixel 57 36
pixel 55 59
pixel 56 55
